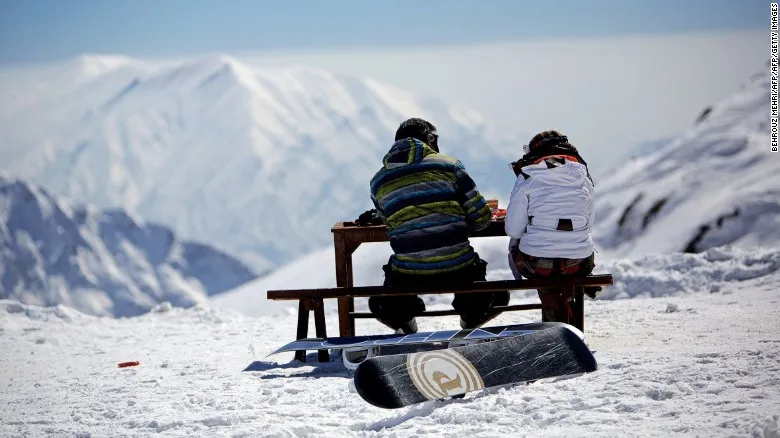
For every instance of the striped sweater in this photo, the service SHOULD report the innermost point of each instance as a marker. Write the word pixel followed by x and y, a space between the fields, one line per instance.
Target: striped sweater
pixel 430 205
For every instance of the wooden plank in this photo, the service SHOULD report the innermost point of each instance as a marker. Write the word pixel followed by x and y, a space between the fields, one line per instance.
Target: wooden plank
pixel 564 306
pixel 378 233
pixel 320 329
pixel 303 328
pixel 453 312
pixel 362 234
pixel 343 260
pixel 479 286
pixel 579 309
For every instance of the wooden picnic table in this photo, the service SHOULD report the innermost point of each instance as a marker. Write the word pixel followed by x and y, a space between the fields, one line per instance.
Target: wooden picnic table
pixel 347 237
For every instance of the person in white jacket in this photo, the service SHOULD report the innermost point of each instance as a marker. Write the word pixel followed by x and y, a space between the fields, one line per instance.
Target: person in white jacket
pixel 550 216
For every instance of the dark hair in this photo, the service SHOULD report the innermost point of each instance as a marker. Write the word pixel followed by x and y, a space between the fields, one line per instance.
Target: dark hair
pixel 544 144
pixel 420 129
pixel 549 138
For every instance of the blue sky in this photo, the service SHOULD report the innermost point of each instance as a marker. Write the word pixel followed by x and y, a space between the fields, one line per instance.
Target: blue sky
pixel 50 30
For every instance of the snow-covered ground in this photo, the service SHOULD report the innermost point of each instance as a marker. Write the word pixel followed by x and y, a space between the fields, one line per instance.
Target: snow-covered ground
pixel 696 352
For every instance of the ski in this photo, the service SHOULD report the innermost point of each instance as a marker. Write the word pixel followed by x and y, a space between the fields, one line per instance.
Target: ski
pixel 439 336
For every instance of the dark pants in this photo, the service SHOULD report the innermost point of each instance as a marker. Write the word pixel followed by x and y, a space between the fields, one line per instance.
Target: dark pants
pixel 472 307
pixel 555 268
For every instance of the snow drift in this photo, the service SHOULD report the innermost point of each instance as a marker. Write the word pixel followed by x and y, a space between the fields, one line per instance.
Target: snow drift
pixel 101 262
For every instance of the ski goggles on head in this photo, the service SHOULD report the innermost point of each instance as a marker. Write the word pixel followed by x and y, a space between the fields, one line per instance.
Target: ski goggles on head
pixel 433 140
pixel 549 141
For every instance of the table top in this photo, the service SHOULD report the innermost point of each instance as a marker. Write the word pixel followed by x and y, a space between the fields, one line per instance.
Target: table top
pixel 495 229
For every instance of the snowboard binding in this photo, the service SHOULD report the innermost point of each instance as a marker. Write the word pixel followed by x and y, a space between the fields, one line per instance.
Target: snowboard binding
pixel 352 357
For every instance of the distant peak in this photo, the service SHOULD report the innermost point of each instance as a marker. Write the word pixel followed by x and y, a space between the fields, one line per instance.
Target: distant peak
pixel 218 68
pixel 218 62
pixel 218 59
pixel 7 180
pixel 19 190
pixel 97 64
pixel 125 218
pixel 88 66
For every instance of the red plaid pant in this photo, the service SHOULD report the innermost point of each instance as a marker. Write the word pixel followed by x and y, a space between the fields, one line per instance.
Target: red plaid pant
pixel 529 266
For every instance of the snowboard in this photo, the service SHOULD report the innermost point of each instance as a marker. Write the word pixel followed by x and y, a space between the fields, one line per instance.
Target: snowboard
pixel 477 334
pixel 400 380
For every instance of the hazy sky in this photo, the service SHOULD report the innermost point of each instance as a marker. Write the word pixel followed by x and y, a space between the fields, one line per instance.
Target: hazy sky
pixel 44 30
pixel 610 74
pixel 607 93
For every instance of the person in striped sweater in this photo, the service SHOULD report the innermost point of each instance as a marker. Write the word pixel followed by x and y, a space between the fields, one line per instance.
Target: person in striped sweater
pixel 430 205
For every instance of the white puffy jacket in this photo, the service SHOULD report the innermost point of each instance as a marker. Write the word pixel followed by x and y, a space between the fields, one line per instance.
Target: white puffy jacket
pixel 547 195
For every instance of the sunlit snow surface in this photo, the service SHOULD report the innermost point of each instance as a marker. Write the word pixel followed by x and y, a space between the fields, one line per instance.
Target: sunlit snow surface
pixel 700 359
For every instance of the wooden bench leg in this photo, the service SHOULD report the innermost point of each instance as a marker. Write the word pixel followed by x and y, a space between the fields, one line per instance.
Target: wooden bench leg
pixel 346 321
pixel 578 307
pixel 303 328
pixel 564 306
pixel 319 326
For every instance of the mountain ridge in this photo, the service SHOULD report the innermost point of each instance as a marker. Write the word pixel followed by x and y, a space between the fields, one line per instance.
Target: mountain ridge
pixel 259 162
pixel 712 185
pixel 107 263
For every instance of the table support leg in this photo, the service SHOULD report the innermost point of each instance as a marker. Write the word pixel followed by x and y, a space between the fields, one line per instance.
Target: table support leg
pixel 319 325
pixel 303 328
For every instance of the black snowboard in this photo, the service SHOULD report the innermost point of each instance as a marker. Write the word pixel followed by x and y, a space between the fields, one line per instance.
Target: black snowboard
pixel 401 380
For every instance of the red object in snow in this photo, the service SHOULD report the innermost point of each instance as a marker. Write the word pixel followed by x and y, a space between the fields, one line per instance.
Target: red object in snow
pixel 128 364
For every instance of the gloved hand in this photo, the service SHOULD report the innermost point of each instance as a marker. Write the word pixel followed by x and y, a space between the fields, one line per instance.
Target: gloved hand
pixel 369 217
pixel 592 291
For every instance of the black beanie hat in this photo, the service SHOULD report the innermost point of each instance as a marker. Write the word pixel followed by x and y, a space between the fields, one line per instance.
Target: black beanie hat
pixel 548 138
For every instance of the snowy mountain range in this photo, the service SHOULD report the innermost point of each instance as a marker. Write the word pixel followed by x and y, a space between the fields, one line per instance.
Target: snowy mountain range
pixel 256 161
pixel 262 162
pixel 101 262
pixel 713 185
pixel 698 354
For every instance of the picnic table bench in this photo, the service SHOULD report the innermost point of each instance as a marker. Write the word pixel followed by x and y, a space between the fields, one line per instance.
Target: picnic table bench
pixel 348 236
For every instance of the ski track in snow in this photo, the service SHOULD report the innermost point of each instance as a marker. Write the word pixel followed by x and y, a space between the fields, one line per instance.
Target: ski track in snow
pixel 699 364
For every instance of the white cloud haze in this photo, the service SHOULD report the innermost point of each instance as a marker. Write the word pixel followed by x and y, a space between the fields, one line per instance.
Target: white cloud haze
pixel 608 94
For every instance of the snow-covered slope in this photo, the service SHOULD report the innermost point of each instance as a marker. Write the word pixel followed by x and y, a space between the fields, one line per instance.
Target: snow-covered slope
pixel 261 162
pixel 716 184
pixel 698 361
pixel 100 262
